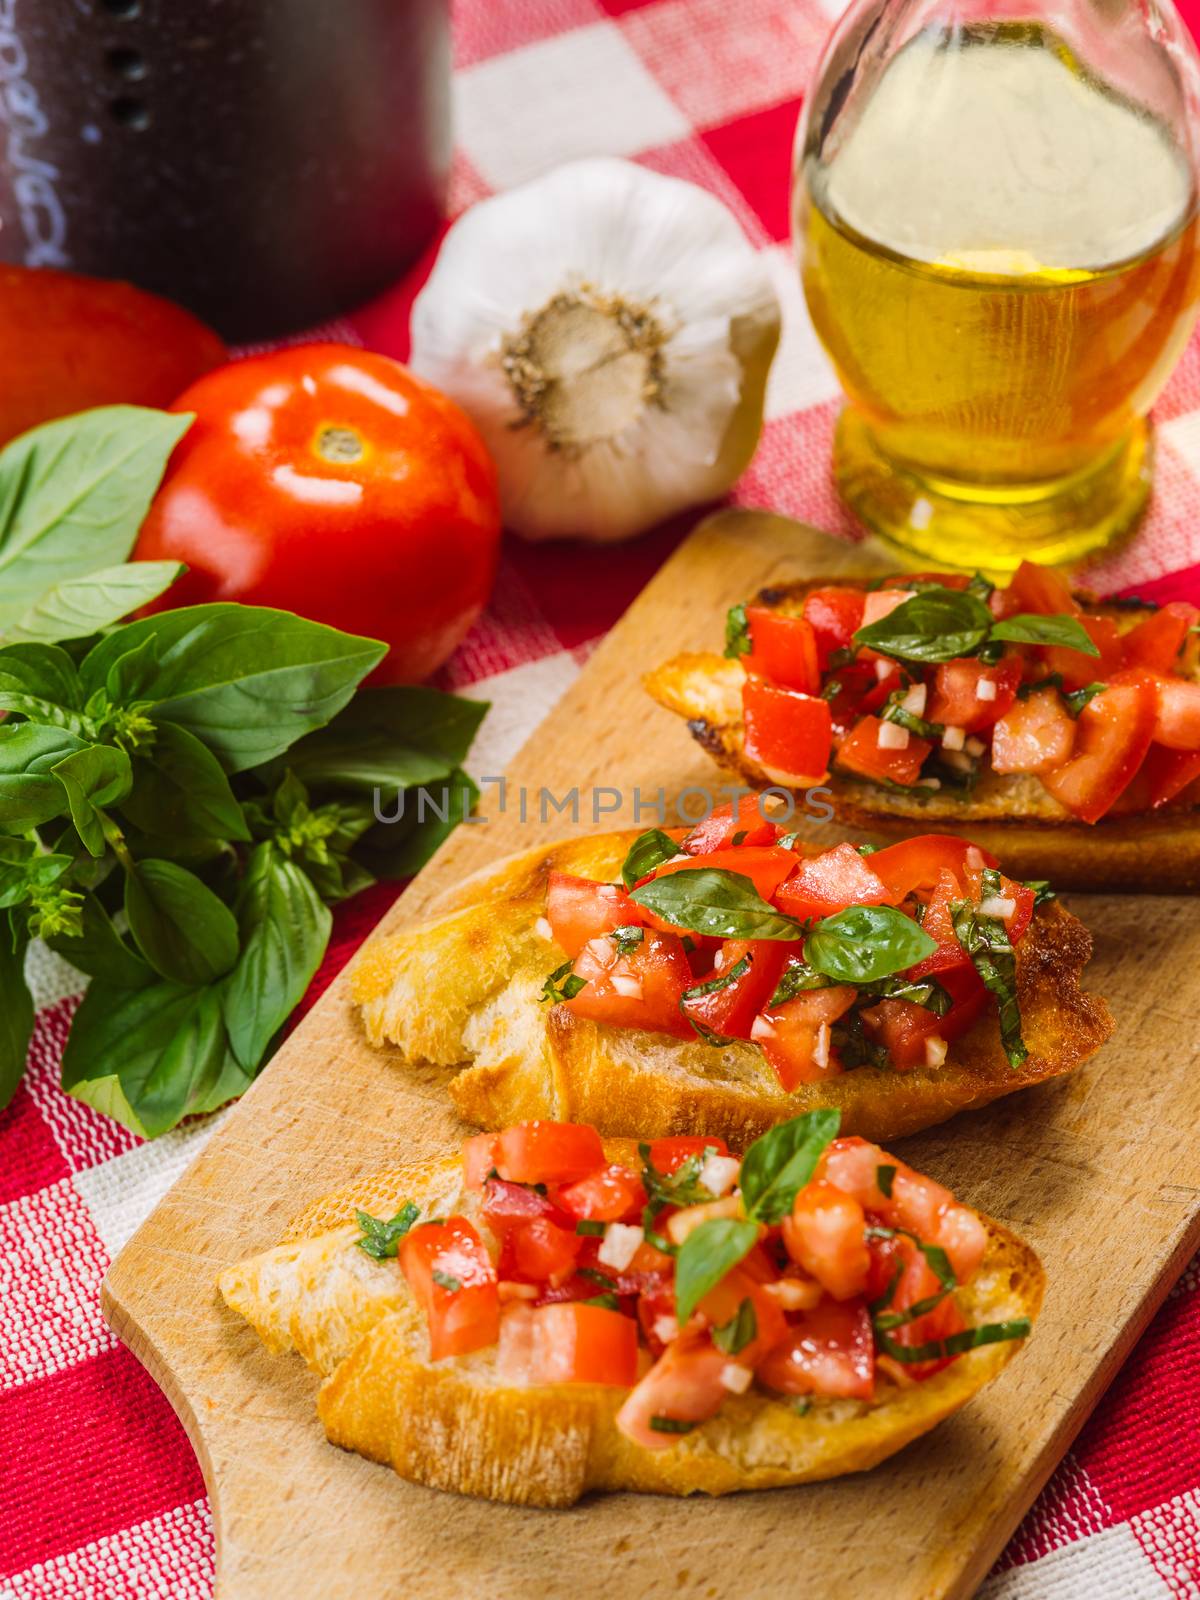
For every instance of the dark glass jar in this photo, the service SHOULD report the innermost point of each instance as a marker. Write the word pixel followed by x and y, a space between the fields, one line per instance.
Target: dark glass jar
pixel 267 163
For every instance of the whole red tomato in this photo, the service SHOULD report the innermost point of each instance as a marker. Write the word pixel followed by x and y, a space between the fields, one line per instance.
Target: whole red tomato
pixel 329 481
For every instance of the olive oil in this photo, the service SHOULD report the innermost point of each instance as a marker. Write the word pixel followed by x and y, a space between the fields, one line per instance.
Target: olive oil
pixel 1000 256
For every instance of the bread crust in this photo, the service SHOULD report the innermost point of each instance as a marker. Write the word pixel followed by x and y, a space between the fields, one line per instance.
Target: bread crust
pixel 461 991
pixel 1013 816
pixel 454 1424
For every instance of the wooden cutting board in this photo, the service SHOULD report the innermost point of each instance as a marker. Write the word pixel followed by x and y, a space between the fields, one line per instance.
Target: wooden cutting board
pixel 1099 1172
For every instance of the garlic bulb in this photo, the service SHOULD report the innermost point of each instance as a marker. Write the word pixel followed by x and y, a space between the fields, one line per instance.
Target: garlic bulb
pixel 609 330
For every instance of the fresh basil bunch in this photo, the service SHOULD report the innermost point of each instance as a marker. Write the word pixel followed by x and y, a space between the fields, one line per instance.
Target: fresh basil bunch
pixel 939 624
pixel 181 797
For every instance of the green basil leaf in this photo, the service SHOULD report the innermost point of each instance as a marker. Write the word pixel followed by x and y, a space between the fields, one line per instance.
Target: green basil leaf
pixel 184 931
pixel 42 670
pixel 381 1240
pixel 29 793
pixel 93 778
pixel 893 711
pixel 715 985
pixel 284 931
pixel 934 625
pixel 955 1344
pixel 627 937
pixel 1066 632
pixel 648 850
pixel 986 941
pixel 16 1010
pixel 741 1329
pixel 246 680
pixel 399 849
pixel 73 494
pixel 884 1175
pixel 864 943
pixel 737 633
pixel 1076 700
pixel 778 1165
pixel 100 951
pixel 705 1256
pixel 398 737
pixel 180 788
pixel 562 984
pixel 79 606
pixel 797 978
pixel 709 900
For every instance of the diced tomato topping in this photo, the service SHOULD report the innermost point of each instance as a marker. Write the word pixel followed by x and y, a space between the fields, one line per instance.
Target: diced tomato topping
pixel 548 1152
pixel 668 1155
pixel 578 910
pixel 1079 669
pixel 1035 590
pixel 1167 774
pixel 641 988
pixel 1113 734
pixel 765 865
pixel 903 1029
pixel 823 1233
pixel 855 686
pixel 783 649
pixel 722 1303
pixel 718 831
pixel 568 1342
pixel 479 1157
pixel 917 1281
pixel 880 603
pixel 939 925
pixel 829 1350
pixel 787 731
pixel 860 752
pixel 610 1195
pixel 954 698
pixel 882 688
pixel 821 885
pixel 1023 898
pixel 1036 734
pixel 512 1205
pixel 835 616
pixel 542 1251
pixel 730 1010
pixel 454 1282
pixel 795 1036
pixel 1177 713
pixel 684 1385
pixel 1156 641
pixel 917 864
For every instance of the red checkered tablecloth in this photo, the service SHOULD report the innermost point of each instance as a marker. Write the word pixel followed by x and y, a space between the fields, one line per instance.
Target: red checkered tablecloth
pixel 100 1494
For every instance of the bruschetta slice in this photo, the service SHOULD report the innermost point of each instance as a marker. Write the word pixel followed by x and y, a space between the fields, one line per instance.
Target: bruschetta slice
pixel 1059 732
pixel 554 1314
pixel 730 978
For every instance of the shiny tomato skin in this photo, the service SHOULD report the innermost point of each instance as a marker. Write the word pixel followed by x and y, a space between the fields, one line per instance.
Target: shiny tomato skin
pixel 579 909
pixel 954 698
pixel 1168 773
pixel 509 1206
pixel 790 732
pixel 68 343
pixel 398 542
pixel 718 831
pixel 479 1157
pixel 1156 641
pixel 917 1281
pixel 902 1029
pixel 859 752
pixel 585 1344
pixel 938 924
pixel 1114 732
pixel 1077 668
pixel 542 1251
pixel 829 1350
pixel 834 616
pixel 1036 734
pixel 613 1194
pixel 1037 591
pixel 783 650
pixel 730 1011
pixel 460 1319
pixel 658 966
pixel 823 1233
pixel 1177 713
pixel 548 1152
pixel 829 882
pixel 916 864
pixel 683 1385
pixel 667 1155
pixel 792 1033
pixel 722 1303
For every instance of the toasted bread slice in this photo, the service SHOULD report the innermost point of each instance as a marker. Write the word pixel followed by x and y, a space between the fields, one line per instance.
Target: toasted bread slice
pixel 455 1424
pixel 1011 815
pixel 463 991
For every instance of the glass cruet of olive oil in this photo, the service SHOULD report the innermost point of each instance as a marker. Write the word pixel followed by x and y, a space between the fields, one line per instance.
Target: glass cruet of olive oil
pixel 996 215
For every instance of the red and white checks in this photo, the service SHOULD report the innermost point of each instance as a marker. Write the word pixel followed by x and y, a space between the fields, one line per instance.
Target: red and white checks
pixel 100 1494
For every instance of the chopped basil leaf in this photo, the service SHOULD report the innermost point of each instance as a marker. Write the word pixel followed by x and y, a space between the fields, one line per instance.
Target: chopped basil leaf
pixel 607 1302
pixel 648 850
pixel 797 978
pixel 737 633
pixel 741 1330
pixel 802 1407
pixel 738 838
pixel 935 624
pixel 709 1035
pixel 381 1240
pixel 1068 633
pixel 1042 892
pixel 883 1180
pixel 671 1425
pixel 627 937
pixel 853 1047
pixel 832 689
pixel 705 1256
pixel 893 711
pixel 927 992
pixel 839 658
pixel 709 900
pixel 680 1188
pixel 939 1263
pixel 777 1166
pixel 562 984
pixel 986 941
pixel 982 588
pixel 863 943
pixel 593 1230
pixel 956 1343
pixel 721 981
pixel 789 840
pixel 444 1280
pixel 1076 699
pixel 593 1276
pixel 867 849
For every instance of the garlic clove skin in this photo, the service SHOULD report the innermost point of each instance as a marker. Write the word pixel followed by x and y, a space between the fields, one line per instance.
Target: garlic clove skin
pixel 610 332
